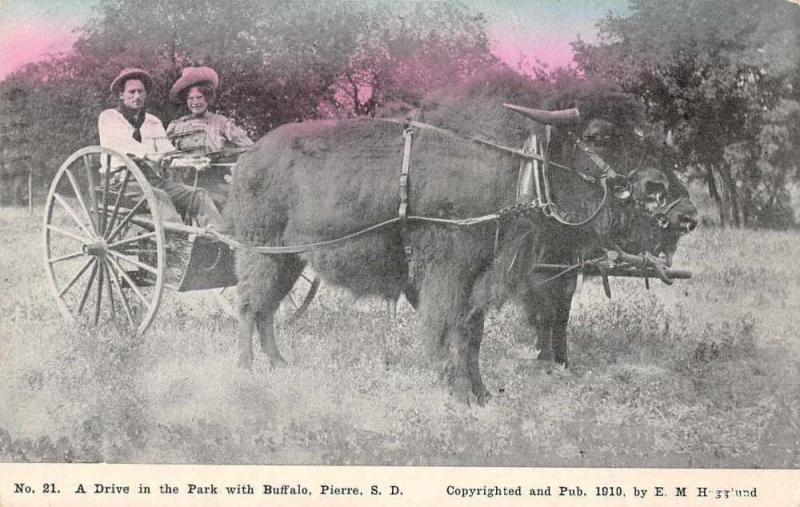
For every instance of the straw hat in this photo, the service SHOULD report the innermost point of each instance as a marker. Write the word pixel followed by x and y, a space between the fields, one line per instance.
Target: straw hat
pixel 131 73
pixel 191 76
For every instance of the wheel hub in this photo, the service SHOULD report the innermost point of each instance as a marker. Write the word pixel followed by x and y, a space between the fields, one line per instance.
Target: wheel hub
pixel 97 249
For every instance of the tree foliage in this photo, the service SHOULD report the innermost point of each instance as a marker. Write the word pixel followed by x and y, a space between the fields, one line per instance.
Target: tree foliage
pixel 721 77
pixel 278 61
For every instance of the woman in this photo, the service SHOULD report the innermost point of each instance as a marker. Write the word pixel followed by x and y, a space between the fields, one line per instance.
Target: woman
pixel 201 130
pixel 204 132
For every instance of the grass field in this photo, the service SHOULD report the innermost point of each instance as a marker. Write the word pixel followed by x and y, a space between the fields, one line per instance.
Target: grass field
pixel 702 374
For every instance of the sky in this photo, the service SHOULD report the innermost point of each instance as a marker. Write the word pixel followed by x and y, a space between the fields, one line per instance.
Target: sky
pixel 533 29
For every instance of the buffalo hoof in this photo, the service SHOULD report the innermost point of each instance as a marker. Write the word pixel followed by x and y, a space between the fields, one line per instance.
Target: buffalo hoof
pixel 278 363
pixel 246 361
pixel 483 397
pixel 461 390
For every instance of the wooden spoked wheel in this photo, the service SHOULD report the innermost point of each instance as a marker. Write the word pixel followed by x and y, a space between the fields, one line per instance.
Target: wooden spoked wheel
pixel 104 247
pixel 293 306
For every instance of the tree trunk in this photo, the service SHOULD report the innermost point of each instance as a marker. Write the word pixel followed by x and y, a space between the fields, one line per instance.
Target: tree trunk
pixel 718 190
pixel 746 206
pixel 733 194
pixel 714 193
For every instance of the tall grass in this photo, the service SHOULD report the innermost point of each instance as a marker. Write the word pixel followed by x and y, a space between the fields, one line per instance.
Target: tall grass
pixel 704 373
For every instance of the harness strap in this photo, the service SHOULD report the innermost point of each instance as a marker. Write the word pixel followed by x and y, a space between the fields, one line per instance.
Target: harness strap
pixel 294 249
pixel 408 134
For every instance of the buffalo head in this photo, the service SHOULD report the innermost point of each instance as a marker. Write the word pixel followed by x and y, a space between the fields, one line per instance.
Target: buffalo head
pixel 658 215
pixel 596 137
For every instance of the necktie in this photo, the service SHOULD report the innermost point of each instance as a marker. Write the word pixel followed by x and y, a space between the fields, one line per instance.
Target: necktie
pixel 136 119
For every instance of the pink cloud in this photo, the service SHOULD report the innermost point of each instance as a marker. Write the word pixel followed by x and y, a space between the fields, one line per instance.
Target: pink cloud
pixel 553 52
pixel 32 41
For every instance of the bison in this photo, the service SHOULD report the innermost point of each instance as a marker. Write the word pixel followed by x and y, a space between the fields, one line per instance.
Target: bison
pixel 547 302
pixel 315 181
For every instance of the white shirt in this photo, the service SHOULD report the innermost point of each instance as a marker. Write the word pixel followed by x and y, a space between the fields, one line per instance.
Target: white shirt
pixel 116 133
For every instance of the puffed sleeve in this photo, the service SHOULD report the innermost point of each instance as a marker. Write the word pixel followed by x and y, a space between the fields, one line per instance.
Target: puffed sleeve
pixel 171 129
pixel 236 135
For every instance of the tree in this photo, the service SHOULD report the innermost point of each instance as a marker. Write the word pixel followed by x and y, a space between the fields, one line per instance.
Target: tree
pixel 715 74
pixel 278 61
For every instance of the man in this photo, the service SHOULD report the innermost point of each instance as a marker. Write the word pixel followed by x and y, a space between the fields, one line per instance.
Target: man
pixel 128 129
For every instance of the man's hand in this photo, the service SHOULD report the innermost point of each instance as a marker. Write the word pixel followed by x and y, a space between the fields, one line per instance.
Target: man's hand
pixel 154 157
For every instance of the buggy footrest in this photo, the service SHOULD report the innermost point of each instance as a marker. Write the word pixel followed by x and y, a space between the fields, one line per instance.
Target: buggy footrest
pixel 210 265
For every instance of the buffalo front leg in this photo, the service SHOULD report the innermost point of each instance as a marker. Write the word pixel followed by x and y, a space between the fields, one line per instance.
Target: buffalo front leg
pixel 454 325
pixel 474 336
pixel 288 271
pixel 560 318
pixel 463 362
pixel 263 282
pixel 548 308
pixel 539 309
pixel 265 322
pixel 247 324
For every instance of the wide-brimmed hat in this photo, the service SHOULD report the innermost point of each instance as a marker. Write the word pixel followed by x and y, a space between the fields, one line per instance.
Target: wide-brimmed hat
pixel 131 73
pixel 191 76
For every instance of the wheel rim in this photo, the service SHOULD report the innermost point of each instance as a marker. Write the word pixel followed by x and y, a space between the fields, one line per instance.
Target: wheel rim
pixel 104 263
pixel 293 306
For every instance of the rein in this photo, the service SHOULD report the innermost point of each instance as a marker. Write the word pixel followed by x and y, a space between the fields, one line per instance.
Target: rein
pixel 294 249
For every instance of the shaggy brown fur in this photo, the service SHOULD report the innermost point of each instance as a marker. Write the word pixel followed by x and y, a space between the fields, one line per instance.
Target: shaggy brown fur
pixel 317 181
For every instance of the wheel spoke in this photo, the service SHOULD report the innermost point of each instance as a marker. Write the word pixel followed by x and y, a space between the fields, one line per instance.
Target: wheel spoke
pixel 74 216
pixel 132 239
pixel 88 288
pixel 114 213
pixel 90 178
pixel 130 282
pixel 76 277
pixel 112 274
pixel 136 262
pixel 66 257
pixel 82 239
pixel 125 220
pixel 106 182
pixel 304 277
pixel 79 195
pixel 109 293
pixel 98 302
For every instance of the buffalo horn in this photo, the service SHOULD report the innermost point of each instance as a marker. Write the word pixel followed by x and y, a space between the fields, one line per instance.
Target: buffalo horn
pixel 561 117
